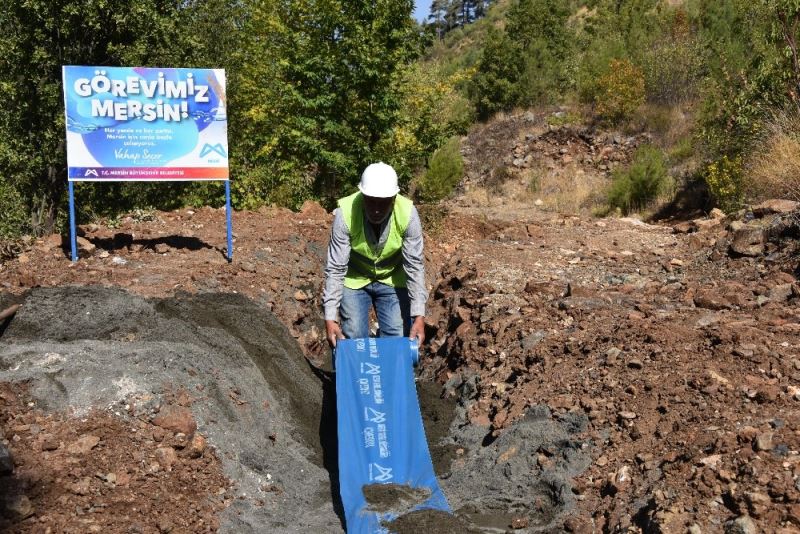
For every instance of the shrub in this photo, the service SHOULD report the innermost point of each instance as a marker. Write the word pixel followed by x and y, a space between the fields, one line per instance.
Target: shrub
pixel 620 92
pixel 496 179
pixel 636 187
pixel 725 180
pixel 13 218
pixel 444 172
pixel 774 165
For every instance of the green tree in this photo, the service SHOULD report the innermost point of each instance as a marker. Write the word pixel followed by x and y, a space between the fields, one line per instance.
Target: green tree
pixel 39 36
pixel 525 64
pixel 322 89
pixel 495 86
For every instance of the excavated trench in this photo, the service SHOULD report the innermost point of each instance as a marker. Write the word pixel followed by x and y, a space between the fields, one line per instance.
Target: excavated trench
pixel 271 416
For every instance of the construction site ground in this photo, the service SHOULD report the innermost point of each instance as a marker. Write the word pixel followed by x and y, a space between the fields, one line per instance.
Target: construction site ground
pixel 673 365
pixel 580 374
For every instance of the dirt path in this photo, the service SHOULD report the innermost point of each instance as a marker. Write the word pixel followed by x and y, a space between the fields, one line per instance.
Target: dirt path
pixel 660 372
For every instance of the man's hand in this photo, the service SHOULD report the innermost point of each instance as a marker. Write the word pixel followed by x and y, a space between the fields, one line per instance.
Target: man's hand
pixel 333 332
pixel 418 329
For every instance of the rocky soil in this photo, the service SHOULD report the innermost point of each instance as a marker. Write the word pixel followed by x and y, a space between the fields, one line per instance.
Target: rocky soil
pixel 580 375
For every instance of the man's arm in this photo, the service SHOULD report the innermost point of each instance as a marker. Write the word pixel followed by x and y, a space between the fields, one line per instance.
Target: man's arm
pixel 335 270
pixel 414 265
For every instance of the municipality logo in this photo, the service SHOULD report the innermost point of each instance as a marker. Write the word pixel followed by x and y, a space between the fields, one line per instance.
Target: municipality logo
pixel 208 149
pixel 374 416
pixel 90 172
pixel 370 368
pixel 381 474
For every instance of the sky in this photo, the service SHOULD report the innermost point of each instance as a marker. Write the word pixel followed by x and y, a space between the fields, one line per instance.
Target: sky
pixel 421 9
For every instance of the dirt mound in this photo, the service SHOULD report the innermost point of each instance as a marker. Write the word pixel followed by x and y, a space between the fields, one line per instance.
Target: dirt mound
pixel 220 367
pixel 245 382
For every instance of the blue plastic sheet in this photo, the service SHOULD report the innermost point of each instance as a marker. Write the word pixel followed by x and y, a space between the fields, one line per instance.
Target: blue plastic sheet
pixel 381 437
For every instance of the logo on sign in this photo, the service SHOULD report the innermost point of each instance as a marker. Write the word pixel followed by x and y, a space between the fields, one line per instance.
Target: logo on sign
pixel 374 416
pixel 383 473
pixel 207 149
pixel 370 368
pixel 90 172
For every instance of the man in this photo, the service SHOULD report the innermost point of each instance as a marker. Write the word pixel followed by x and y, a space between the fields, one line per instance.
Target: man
pixel 375 260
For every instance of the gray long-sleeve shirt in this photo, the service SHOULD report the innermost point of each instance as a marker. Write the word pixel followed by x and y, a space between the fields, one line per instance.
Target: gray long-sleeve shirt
pixel 339 256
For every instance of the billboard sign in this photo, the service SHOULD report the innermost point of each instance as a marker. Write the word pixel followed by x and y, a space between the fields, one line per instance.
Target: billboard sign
pixel 145 124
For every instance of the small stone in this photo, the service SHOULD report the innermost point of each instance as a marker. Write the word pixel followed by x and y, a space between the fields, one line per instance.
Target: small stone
pixel 166 457
pixel 757 503
pixel 764 441
pixel 49 442
pixel 622 478
pixel 711 461
pixel 628 416
pixel 247 267
pixel 576 525
pixel 748 241
pixel 180 441
pixel 18 507
pixel 300 295
pixel 768 393
pixel 635 364
pixel 741 525
pixel 519 522
pixel 82 487
pixel 602 461
pixel 717 214
pixel 177 419
pixel 780 293
pixel 197 446
pixel 85 247
pixel 710 300
pixel 83 445
pixel 775 206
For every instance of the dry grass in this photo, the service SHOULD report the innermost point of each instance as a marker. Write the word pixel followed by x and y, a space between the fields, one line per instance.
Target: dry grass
pixel 572 190
pixel 774 166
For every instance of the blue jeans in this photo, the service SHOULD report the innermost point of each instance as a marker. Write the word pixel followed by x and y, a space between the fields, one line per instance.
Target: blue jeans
pixel 391 306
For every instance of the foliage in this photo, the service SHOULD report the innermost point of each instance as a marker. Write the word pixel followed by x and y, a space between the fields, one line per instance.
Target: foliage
pixel 445 170
pixel 14 219
pixel 673 68
pixel 773 166
pixel 725 179
pixel 321 90
pixel 620 92
pixel 446 15
pixel 636 187
pixel 432 110
pixel 524 64
pixel 38 38
pixel 747 74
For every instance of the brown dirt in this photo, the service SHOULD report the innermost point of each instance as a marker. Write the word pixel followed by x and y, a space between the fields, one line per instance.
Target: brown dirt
pixel 685 358
pixel 102 473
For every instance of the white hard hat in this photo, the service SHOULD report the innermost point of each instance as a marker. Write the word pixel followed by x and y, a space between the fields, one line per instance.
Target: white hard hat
pixel 379 180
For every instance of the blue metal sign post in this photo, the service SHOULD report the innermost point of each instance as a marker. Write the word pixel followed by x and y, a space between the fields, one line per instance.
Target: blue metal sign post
pixel 228 218
pixel 73 236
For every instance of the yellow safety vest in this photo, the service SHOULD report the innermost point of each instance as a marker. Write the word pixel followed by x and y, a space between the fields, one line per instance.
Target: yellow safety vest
pixel 366 264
